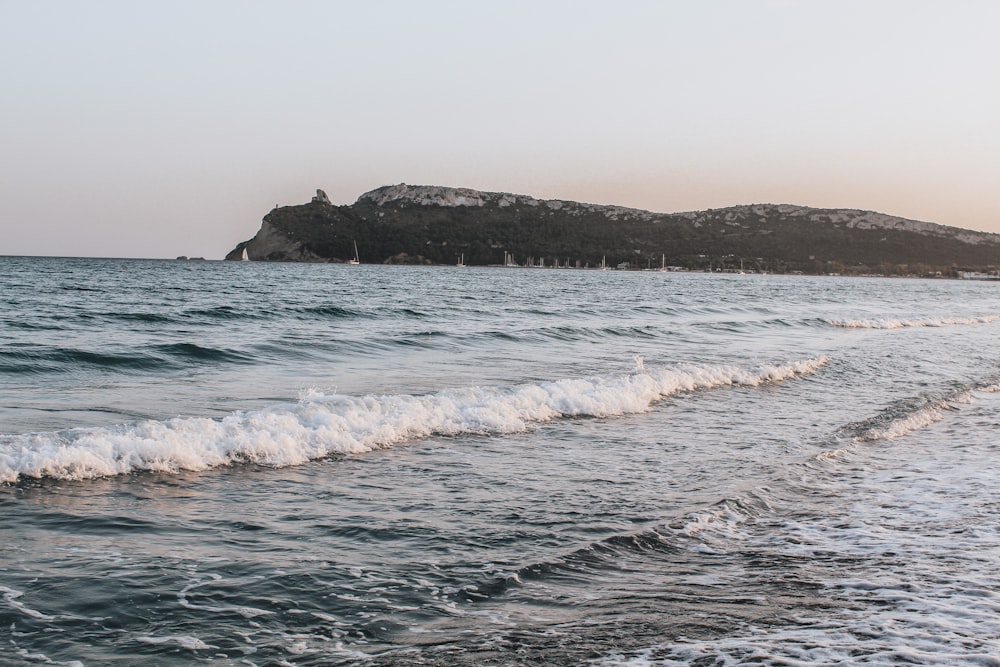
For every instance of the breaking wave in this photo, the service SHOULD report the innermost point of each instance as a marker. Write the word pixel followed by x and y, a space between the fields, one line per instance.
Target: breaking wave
pixel 912 414
pixel 889 426
pixel 892 323
pixel 906 416
pixel 710 530
pixel 322 425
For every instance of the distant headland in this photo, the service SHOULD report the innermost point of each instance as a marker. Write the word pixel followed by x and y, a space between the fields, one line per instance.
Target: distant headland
pixel 417 224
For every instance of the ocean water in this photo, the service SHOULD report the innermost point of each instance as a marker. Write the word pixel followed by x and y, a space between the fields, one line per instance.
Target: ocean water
pixel 276 464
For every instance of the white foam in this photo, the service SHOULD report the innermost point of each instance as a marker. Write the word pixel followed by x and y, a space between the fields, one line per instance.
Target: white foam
pixel 245 612
pixel 821 644
pixel 904 424
pixel 184 641
pixel 892 323
pixel 41 658
pixel 10 596
pixel 900 427
pixel 321 425
pixel 725 521
pixel 907 558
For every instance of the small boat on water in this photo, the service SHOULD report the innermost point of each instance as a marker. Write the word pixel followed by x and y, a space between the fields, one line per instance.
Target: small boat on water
pixel 356 259
pixel 245 257
pixel 461 260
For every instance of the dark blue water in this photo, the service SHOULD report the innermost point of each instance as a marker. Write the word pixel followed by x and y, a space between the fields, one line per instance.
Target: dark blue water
pixel 263 464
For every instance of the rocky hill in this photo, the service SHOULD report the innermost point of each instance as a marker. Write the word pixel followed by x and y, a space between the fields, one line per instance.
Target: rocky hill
pixel 440 225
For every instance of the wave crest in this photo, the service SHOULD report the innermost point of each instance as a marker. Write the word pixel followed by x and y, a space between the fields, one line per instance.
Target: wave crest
pixel 910 416
pixel 322 425
pixel 892 323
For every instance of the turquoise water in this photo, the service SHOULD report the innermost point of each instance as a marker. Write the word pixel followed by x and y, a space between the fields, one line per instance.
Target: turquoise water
pixel 263 464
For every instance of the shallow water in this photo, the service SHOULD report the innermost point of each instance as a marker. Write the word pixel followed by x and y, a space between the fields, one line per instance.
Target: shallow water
pixel 262 464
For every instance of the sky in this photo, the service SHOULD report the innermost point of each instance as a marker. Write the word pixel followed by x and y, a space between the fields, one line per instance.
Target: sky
pixel 159 129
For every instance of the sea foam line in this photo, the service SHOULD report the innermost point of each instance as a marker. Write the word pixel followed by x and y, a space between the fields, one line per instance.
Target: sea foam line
pixel 321 425
pixel 890 426
pixel 891 323
pixel 906 417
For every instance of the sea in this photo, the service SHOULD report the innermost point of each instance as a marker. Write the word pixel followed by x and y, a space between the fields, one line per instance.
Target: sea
pixel 248 463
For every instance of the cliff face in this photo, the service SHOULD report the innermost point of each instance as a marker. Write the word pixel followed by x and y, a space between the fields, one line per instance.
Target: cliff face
pixel 440 225
pixel 313 232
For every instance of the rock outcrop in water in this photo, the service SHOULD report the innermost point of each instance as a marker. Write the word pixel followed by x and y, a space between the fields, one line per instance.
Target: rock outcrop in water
pixel 431 224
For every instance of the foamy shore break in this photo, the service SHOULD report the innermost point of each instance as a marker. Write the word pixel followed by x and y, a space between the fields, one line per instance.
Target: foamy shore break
pixel 322 425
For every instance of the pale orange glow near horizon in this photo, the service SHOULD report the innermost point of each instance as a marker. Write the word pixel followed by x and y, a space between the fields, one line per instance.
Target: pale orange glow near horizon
pixel 161 130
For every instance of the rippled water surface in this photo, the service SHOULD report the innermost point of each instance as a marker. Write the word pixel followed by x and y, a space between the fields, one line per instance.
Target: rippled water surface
pixel 277 464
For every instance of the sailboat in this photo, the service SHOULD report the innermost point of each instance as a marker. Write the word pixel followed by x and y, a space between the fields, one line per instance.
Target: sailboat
pixel 355 259
pixel 461 260
pixel 604 263
pixel 245 257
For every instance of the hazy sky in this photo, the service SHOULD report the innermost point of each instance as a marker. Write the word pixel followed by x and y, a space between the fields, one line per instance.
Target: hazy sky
pixel 156 129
